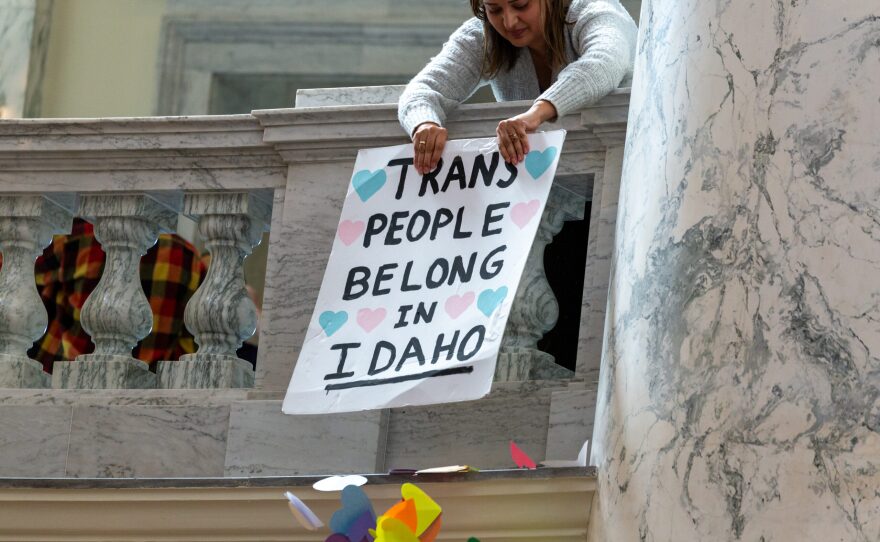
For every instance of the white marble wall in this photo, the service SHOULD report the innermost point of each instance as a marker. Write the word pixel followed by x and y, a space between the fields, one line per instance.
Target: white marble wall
pixel 740 390
pixel 265 442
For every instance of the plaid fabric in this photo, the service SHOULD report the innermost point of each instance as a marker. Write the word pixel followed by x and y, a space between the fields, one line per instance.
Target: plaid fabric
pixel 69 270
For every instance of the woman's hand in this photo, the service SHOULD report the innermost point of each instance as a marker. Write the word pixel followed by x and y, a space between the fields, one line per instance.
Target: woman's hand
pixel 512 139
pixel 428 142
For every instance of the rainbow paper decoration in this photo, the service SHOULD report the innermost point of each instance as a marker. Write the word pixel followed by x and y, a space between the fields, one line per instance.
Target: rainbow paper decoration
pixel 416 518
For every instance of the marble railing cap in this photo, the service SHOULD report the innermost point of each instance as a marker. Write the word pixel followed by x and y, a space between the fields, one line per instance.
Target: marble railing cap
pixel 151 153
pixel 587 474
pixel 252 151
pixel 338 131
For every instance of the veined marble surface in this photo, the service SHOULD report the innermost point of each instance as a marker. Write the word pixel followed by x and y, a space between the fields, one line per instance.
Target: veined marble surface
pixel 265 442
pixel 740 387
pixel 123 441
pixel 34 440
pixel 597 270
pixel 473 433
pixel 327 97
pixel 26 227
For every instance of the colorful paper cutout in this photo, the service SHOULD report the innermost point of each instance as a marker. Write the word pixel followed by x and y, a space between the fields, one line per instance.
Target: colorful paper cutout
pixel 303 513
pixel 356 517
pixel 394 530
pixel 405 512
pixel 427 510
pixel 520 458
pixel 338 483
pixel 416 518
pixel 431 532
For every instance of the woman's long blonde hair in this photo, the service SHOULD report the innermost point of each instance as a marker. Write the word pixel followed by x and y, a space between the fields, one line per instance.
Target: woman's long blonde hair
pixel 498 53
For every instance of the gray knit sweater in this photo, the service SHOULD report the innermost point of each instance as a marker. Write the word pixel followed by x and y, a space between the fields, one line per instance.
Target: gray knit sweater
pixel 600 49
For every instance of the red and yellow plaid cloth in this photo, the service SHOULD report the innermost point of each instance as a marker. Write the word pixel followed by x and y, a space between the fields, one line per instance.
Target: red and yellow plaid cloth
pixel 69 270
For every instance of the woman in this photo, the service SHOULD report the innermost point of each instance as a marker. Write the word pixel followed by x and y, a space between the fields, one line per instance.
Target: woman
pixel 563 55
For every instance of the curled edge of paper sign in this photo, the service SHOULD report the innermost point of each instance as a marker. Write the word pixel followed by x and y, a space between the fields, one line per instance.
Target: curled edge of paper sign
pixel 338 483
pixel 445 470
pixel 581 460
pixel 303 513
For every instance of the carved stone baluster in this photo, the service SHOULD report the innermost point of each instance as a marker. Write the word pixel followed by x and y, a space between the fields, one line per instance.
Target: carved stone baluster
pixel 534 311
pixel 26 226
pixel 117 314
pixel 220 314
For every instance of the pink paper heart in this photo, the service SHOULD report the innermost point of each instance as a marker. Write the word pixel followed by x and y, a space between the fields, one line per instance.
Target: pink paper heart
pixel 457 304
pixel 520 458
pixel 368 319
pixel 349 231
pixel 522 213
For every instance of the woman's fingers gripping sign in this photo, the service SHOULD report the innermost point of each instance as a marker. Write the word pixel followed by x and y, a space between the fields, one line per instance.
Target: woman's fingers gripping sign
pixel 429 140
pixel 513 142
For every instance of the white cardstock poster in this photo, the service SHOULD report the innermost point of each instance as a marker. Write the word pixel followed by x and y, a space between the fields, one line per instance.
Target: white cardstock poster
pixel 421 277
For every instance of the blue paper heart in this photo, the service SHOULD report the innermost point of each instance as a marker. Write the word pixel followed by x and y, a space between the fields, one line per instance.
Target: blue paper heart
pixel 356 515
pixel 331 321
pixel 490 299
pixel 366 183
pixel 537 162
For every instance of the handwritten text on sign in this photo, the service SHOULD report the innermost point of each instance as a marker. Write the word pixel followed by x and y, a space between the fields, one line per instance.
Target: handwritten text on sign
pixel 421 277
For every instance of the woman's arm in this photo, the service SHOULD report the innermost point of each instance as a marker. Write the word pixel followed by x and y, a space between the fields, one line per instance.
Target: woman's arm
pixel 605 36
pixel 448 79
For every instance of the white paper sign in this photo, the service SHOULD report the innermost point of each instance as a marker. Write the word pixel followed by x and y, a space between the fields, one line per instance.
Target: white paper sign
pixel 421 277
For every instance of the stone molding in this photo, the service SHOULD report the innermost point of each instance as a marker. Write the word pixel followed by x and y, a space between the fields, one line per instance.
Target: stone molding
pixel 512 504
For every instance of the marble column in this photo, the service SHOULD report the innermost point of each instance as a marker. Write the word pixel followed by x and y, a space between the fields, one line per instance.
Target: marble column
pixel 26 227
pixel 221 314
pixel 117 313
pixel 535 310
pixel 740 381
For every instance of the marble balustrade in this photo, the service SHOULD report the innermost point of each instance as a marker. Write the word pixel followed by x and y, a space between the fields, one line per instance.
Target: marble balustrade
pixel 133 176
pixel 237 177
